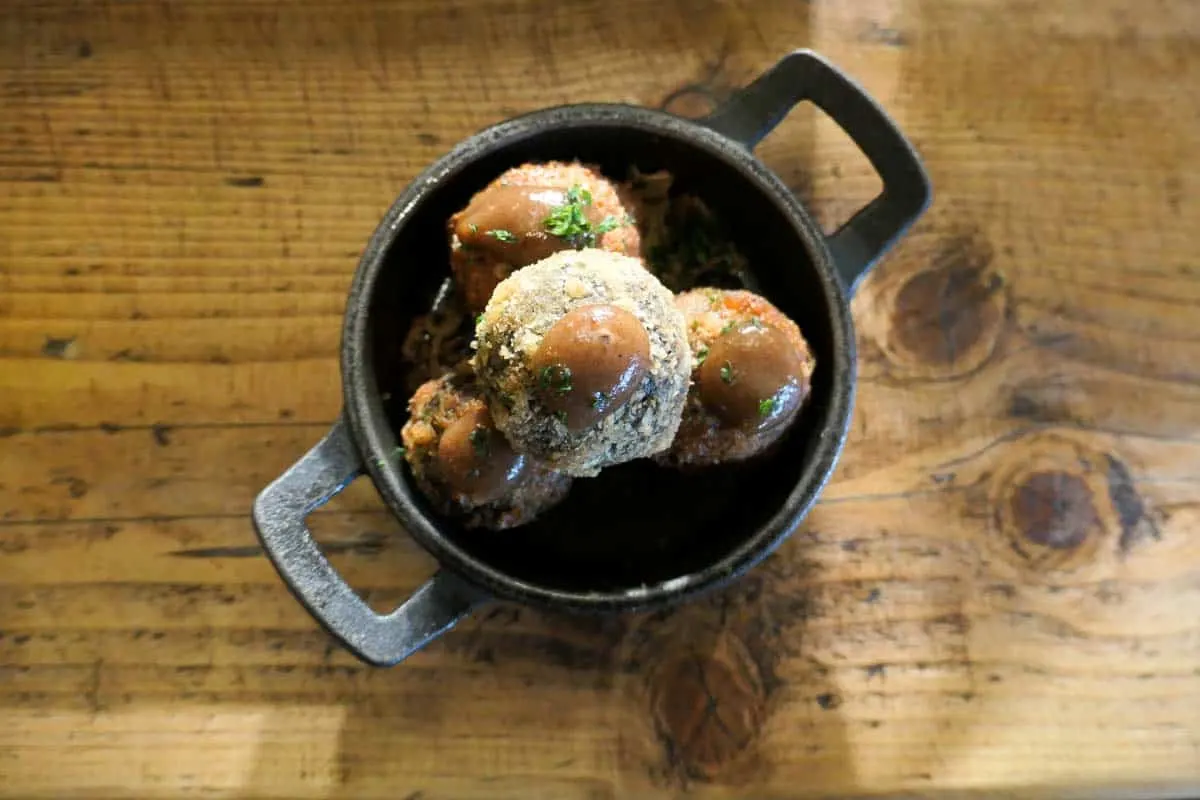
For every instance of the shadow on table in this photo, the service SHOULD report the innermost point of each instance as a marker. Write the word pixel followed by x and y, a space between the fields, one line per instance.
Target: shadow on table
pixel 515 700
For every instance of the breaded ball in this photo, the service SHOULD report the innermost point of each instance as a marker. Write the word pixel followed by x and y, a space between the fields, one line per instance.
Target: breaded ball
pixel 584 359
pixel 532 211
pixel 752 376
pixel 465 467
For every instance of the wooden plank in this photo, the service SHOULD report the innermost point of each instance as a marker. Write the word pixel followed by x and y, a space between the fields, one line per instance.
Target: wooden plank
pixel 990 600
pixel 368 545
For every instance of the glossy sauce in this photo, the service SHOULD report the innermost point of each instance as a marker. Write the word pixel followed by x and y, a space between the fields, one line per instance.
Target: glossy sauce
pixel 752 378
pixel 590 362
pixel 509 222
pixel 475 461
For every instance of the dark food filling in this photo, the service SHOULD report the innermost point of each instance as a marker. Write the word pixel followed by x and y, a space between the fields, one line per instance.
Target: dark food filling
pixel 438 342
pixel 685 246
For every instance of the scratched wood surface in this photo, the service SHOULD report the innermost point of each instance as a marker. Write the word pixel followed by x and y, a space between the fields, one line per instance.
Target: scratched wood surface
pixel 998 594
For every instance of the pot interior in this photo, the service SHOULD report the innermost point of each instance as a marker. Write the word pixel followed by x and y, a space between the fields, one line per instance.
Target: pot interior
pixel 636 525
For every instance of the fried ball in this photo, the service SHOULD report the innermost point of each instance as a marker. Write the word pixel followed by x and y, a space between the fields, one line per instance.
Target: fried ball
pixel 465 467
pixel 751 376
pixel 530 212
pixel 584 359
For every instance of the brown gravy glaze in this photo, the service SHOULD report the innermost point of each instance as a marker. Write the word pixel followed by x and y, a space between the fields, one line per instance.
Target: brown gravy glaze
pixel 589 363
pixel 752 378
pixel 509 222
pixel 475 462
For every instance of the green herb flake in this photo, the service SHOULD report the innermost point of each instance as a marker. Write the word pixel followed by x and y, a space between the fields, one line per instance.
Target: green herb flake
pixel 607 224
pixel 502 235
pixel 561 416
pixel 701 354
pixel 556 377
pixel 480 441
pixel 473 227
pixel 569 221
pixel 766 406
pixel 478 320
pixel 396 455
pixel 727 328
pixel 727 372
pixel 600 401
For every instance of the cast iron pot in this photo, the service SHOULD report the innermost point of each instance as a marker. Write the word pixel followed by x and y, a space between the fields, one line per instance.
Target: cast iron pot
pixel 638 536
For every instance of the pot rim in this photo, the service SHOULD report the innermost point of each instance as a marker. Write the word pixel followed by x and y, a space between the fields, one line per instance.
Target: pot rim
pixel 374 437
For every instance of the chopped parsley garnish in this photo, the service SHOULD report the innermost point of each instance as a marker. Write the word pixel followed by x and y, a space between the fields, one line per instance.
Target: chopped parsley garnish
pixel 479 441
pixel 569 221
pixel 757 323
pixel 607 224
pixel 478 320
pixel 701 354
pixel 474 228
pixel 727 372
pixel 766 406
pixel 556 377
pixel 396 454
pixel 728 327
pixel 502 235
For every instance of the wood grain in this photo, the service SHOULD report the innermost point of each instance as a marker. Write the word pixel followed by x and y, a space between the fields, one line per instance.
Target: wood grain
pixel 995 597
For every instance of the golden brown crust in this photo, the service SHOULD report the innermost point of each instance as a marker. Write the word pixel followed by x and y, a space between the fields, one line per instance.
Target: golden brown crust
pixel 702 438
pixel 434 407
pixel 524 308
pixel 477 272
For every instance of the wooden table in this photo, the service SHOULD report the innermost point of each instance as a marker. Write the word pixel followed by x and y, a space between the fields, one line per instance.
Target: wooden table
pixel 1000 592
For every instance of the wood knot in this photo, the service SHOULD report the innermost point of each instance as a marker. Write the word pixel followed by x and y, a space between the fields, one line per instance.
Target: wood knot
pixel 701 97
pixel 708 707
pixel 1055 510
pixel 942 313
pixel 944 319
pixel 691 102
pixel 1061 506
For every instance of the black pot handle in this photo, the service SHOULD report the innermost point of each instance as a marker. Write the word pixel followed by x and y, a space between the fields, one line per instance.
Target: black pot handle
pixel 379 639
pixel 802 75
